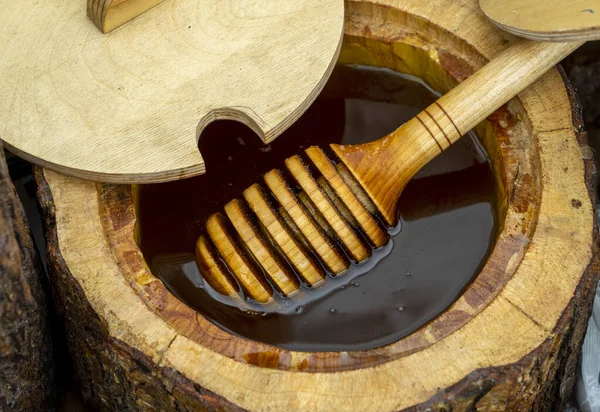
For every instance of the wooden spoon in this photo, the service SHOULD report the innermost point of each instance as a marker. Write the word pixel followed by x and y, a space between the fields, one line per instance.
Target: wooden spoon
pixel 546 20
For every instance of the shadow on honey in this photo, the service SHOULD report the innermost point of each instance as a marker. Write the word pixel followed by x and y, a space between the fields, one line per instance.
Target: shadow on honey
pixel 446 231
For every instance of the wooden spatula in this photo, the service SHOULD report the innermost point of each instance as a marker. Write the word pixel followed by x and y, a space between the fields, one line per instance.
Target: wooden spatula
pixel 547 20
pixel 128 106
pixel 334 221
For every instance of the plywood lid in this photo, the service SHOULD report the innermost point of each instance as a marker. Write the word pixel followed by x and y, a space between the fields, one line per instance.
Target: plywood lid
pixel 128 106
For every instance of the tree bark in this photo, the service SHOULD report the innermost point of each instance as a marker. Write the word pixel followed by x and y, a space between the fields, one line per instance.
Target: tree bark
pixel 26 372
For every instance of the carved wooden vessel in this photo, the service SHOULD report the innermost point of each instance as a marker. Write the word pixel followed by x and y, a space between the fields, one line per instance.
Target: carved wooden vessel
pixel 511 341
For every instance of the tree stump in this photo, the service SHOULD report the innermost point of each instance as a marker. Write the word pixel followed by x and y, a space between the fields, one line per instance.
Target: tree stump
pixel 510 342
pixel 26 382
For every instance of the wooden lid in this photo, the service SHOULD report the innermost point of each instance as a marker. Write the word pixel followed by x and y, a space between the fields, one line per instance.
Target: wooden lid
pixel 546 20
pixel 128 106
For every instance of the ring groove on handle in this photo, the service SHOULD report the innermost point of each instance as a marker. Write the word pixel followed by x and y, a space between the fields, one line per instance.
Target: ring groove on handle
pixel 431 134
pixel 439 127
pixel 449 118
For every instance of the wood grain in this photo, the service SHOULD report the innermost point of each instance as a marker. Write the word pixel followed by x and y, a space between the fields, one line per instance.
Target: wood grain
pixel 212 269
pixel 304 264
pixel 247 274
pixel 510 342
pixel 129 106
pixel 376 235
pixel 342 231
pixel 298 217
pixel 546 20
pixel 274 267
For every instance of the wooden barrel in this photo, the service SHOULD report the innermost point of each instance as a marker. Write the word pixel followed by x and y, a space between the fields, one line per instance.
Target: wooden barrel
pixel 26 375
pixel 511 341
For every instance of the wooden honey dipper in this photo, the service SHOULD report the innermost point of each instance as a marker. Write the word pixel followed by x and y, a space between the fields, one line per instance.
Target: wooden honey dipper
pixel 274 241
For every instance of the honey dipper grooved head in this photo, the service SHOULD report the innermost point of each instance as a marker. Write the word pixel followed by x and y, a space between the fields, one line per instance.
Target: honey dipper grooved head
pixel 276 243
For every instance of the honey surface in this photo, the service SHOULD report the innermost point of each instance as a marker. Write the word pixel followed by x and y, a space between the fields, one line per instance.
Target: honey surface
pixel 447 224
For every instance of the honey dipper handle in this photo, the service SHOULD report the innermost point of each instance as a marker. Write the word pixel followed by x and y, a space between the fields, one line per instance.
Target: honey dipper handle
pixel 469 103
pixel 385 166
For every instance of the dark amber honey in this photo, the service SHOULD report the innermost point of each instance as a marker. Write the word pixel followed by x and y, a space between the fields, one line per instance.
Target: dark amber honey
pixel 447 224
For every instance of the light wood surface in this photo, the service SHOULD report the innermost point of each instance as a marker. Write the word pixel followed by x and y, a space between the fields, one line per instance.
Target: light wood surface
pixel 108 15
pixel 546 20
pixel 510 342
pixel 129 106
